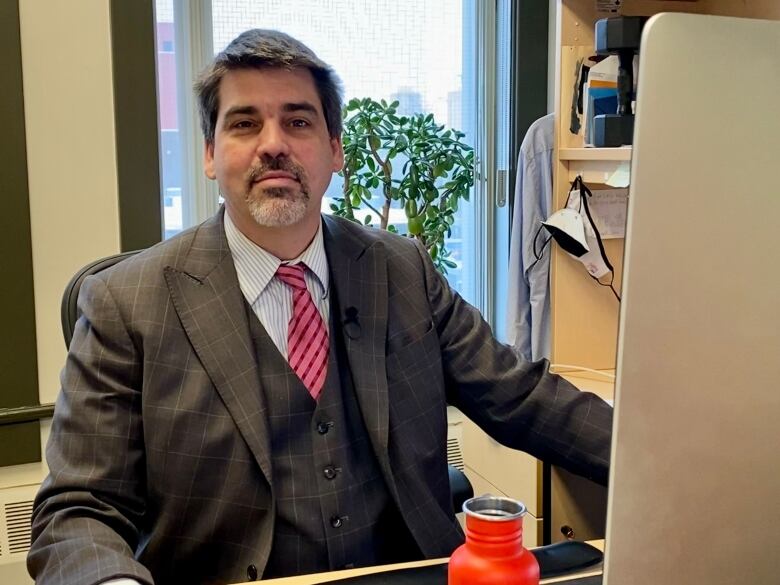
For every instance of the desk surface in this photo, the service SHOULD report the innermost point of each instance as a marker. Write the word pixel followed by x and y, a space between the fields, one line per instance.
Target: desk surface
pixel 335 575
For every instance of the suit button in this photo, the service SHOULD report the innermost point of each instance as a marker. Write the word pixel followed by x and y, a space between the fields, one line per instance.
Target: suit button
pixel 251 573
pixel 336 521
pixel 329 472
pixel 323 427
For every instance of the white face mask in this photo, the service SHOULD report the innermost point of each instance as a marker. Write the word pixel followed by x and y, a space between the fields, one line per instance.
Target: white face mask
pixel 595 259
pixel 574 231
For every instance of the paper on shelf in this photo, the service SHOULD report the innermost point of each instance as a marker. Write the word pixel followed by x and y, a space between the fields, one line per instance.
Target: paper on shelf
pixel 608 210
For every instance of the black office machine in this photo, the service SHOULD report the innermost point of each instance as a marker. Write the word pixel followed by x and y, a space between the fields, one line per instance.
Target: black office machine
pixel 618 36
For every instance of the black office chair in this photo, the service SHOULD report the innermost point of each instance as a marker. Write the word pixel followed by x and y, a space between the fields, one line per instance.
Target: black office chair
pixel 69 312
pixel 460 487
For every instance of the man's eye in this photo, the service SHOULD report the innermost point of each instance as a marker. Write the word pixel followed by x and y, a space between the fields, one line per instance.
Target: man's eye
pixel 242 124
pixel 299 123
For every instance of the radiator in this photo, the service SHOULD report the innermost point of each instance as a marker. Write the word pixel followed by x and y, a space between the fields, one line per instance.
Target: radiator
pixel 16 505
pixel 455 438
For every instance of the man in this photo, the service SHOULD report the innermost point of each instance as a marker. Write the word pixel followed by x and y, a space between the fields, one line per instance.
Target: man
pixel 266 393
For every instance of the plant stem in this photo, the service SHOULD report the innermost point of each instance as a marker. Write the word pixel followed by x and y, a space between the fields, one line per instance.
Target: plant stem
pixel 375 210
pixel 385 215
pixel 345 192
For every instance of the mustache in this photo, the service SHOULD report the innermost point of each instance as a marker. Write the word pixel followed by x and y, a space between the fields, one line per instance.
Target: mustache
pixel 277 164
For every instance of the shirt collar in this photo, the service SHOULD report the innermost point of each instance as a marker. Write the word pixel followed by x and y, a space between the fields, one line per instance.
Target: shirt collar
pixel 256 267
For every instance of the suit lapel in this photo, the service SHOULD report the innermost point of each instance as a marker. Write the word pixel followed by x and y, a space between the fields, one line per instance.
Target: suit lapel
pixel 210 305
pixel 358 272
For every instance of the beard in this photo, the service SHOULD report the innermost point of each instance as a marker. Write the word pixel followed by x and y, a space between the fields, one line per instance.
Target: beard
pixel 277 206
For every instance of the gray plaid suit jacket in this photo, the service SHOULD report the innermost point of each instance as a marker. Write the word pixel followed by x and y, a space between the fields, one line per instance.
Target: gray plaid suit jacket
pixel 159 451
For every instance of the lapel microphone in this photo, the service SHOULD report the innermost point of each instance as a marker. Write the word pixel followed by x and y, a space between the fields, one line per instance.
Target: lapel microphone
pixel 351 323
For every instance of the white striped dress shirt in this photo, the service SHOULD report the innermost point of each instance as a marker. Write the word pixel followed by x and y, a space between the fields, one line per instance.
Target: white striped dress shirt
pixel 269 297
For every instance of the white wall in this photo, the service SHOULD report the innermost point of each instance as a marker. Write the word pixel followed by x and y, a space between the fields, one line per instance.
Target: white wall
pixel 69 117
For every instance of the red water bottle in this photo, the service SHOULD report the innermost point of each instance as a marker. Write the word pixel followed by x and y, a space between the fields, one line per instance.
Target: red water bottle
pixel 493 553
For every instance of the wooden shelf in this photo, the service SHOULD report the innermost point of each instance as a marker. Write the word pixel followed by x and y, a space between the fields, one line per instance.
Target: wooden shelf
pixel 622 153
pixel 596 171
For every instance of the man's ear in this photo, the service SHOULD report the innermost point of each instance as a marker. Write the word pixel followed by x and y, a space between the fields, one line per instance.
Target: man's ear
pixel 208 160
pixel 338 153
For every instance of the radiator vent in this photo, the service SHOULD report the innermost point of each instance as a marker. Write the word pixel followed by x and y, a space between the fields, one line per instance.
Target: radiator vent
pixel 455 438
pixel 454 453
pixel 16 506
pixel 17 525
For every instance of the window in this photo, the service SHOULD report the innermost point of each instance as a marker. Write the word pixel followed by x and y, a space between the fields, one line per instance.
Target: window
pixel 430 55
pixel 170 140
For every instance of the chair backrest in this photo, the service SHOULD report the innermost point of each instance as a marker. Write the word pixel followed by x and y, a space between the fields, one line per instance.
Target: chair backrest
pixel 69 312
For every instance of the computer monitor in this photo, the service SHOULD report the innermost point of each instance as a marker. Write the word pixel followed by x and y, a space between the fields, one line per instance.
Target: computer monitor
pixel 694 493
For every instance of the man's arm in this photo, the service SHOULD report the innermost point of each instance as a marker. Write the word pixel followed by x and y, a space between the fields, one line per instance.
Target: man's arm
pixel 85 519
pixel 519 403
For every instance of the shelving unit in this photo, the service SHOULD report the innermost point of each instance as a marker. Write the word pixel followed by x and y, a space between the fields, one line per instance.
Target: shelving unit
pixel 584 314
pixel 595 154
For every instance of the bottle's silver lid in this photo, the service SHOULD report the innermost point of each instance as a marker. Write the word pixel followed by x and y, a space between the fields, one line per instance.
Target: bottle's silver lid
pixel 494 508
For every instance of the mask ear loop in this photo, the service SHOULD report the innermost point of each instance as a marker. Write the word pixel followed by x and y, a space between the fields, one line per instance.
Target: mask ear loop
pixel 585 192
pixel 538 255
pixel 575 182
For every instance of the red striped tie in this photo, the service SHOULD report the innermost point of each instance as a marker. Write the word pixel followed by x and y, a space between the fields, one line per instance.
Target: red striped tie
pixel 307 336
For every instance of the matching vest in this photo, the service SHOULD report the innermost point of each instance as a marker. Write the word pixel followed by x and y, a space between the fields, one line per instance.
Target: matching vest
pixel 333 508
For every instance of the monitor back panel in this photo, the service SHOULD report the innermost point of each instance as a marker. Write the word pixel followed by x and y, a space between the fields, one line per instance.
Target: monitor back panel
pixel 695 486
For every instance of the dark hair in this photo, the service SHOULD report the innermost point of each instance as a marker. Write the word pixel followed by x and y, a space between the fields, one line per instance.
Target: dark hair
pixel 259 48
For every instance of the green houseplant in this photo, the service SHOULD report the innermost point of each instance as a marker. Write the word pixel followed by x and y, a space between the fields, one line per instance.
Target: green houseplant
pixel 407 163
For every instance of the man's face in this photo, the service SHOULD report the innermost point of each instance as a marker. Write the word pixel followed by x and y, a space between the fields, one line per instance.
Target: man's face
pixel 272 155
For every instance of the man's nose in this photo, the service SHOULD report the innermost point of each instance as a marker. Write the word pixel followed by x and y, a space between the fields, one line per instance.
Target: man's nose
pixel 272 142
